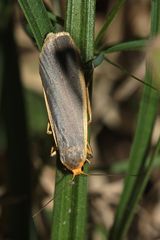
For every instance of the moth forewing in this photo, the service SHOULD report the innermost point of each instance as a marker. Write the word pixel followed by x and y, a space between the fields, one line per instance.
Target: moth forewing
pixel 66 98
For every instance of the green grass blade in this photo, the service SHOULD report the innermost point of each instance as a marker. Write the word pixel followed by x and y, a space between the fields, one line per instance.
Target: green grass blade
pixel 37 18
pixel 108 20
pixel 141 182
pixel 126 46
pixel 70 209
pixel 148 110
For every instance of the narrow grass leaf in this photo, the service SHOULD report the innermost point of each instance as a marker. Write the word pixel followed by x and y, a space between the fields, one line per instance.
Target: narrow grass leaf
pixel 37 18
pixel 140 147
pixel 126 46
pixel 108 20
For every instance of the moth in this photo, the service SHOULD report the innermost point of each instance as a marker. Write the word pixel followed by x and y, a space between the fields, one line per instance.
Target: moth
pixel 67 101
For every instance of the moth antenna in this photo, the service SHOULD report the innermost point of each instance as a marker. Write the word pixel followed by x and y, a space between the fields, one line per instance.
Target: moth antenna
pixel 40 210
pixel 48 202
pixel 114 175
pixel 72 182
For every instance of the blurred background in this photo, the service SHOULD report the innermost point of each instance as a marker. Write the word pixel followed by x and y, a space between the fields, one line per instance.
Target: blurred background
pixel 26 169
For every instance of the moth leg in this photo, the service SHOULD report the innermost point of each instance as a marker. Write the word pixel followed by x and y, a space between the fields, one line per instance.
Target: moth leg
pixel 49 129
pixel 88 107
pixel 55 146
pixel 89 152
pixel 51 121
pixel 53 151
pixel 88 161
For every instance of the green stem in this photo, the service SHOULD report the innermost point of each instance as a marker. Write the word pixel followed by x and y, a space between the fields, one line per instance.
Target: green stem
pixel 70 209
